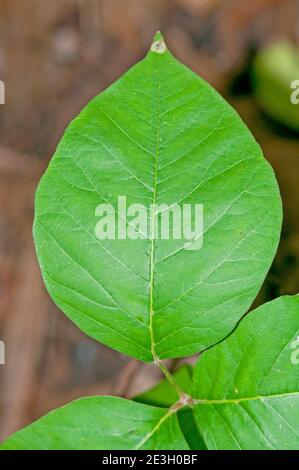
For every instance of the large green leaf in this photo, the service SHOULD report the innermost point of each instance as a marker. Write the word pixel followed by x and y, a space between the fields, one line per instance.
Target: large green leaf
pixel 249 384
pixel 97 423
pixel 158 135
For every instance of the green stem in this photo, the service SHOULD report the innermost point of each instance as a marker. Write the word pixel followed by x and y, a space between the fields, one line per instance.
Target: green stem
pixel 171 379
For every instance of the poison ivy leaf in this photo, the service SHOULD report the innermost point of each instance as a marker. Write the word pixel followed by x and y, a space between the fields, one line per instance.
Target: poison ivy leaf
pixel 248 385
pixel 164 395
pixel 97 423
pixel 159 135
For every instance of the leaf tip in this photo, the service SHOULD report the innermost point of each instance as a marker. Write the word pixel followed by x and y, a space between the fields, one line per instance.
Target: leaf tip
pixel 158 44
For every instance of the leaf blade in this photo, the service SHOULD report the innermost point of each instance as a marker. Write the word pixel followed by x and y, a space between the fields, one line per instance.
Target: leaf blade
pixel 247 385
pixel 101 423
pixel 158 135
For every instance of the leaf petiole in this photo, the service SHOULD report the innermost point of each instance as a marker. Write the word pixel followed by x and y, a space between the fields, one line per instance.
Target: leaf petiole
pixel 182 395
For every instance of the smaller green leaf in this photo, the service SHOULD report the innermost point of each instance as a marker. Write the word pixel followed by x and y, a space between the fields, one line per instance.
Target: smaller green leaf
pixel 164 395
pixel 101 423
pixel 247 387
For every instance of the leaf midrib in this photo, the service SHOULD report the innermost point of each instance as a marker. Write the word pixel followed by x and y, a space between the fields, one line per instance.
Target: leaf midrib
pixel 154 430
pixel 153 221
pixel 228 401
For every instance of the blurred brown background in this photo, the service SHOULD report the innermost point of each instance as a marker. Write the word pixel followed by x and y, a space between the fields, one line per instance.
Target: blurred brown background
pixel 54 56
